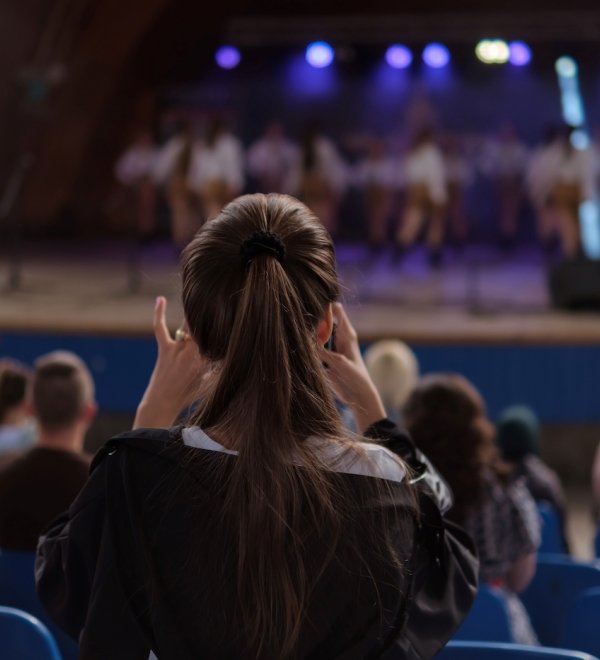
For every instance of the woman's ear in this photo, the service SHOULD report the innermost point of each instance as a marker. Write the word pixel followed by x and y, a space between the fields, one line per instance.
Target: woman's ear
pixel 325 326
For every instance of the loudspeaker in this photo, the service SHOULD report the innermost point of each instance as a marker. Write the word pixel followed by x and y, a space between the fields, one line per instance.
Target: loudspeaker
pixel 575 284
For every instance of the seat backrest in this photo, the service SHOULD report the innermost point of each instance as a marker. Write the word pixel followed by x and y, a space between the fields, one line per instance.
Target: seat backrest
pixel 17 589
pixel 582 625
pixel 552 541
pixel 458 650
pixel 25 637
pixel 557 583
pixel 488 619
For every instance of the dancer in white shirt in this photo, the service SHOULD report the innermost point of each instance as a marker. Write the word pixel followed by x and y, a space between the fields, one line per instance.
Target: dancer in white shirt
pixel 379 176
pixel 573 182
pixel 217 173
pixel 272 158
pixel 319 177
pixel 427 195
pixel 134 170
pixel 172 170
pixel 505 160
pixel 459 176
pixel 540 180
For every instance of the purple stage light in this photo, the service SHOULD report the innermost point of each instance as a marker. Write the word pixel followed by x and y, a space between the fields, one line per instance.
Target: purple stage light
pixel 228 57
pixel 520 53
pixel 319 54
pixel 436 55
pixel 398 56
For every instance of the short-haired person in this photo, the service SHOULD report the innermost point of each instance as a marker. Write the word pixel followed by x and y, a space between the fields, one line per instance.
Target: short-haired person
pixel 394 370
pixel 261 529
pixel 518 437
pixel 41 483
pixel 447 419
pixel 16 429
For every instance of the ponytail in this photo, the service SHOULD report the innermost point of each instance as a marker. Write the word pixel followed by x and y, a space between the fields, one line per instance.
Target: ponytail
pixel 269 381
pixel 255 313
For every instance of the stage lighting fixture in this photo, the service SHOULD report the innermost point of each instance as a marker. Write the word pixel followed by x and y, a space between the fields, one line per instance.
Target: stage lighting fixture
pixel 436 55
pixel 492 51
pixel 228 57
pixel 398 56
pixel 566 67
pixel 520 53
pixel 319 54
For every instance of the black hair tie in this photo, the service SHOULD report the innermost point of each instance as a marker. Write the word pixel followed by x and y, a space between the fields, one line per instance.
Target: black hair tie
pixel 262 242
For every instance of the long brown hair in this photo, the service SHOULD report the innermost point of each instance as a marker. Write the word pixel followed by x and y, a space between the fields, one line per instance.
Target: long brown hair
pixel 446 416
pixel 257 319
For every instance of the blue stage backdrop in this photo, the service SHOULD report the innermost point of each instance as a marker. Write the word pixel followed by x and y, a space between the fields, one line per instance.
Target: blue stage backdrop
pixel 560 381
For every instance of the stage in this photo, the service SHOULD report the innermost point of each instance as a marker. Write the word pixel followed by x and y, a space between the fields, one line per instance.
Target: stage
pixel 480 295
pixel 484 313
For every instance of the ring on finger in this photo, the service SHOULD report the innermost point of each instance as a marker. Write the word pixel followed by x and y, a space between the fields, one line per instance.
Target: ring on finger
pixel 181 335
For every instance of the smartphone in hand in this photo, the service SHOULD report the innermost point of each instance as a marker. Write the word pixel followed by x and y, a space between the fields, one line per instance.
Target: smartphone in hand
pixel 330 345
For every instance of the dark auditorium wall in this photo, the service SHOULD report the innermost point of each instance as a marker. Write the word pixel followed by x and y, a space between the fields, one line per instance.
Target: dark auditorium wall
pixel 20 28
pixel 105 38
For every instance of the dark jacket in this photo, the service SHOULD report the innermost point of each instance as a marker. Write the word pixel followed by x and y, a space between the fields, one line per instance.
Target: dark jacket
pixel 114 571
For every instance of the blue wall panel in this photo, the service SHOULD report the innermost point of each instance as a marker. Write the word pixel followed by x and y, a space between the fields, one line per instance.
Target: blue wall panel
pixel 559 382
pixel 121 366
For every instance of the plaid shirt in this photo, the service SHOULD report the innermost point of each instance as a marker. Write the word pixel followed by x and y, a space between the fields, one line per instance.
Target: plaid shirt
pixel 505 527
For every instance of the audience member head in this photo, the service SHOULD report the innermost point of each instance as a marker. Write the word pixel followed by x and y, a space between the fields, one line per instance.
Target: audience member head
pixel 62 399
pixel 258 283
pixel 447 419
pixel 14 379
pixel 518 433
pixel 394 369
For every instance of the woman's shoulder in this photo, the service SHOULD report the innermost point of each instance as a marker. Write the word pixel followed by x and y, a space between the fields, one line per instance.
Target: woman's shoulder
pixel 365 459
pixel 362 459
pixel 148 440
pixel 148 437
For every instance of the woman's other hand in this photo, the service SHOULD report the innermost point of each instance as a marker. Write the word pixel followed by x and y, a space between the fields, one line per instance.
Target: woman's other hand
pixel 177 376
pixel 348 374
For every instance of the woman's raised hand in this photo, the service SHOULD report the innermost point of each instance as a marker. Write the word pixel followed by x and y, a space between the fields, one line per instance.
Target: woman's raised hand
pixel 348 374
pixel 177 376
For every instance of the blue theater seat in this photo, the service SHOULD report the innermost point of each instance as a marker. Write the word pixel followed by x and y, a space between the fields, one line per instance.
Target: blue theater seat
pixel 558 582
pixel 23 637
pixel 17 589
pixel 582 626
pixel 552 540
pixel 488 619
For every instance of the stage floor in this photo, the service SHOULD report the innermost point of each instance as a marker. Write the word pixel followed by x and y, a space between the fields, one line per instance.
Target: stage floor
pixel 479 295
